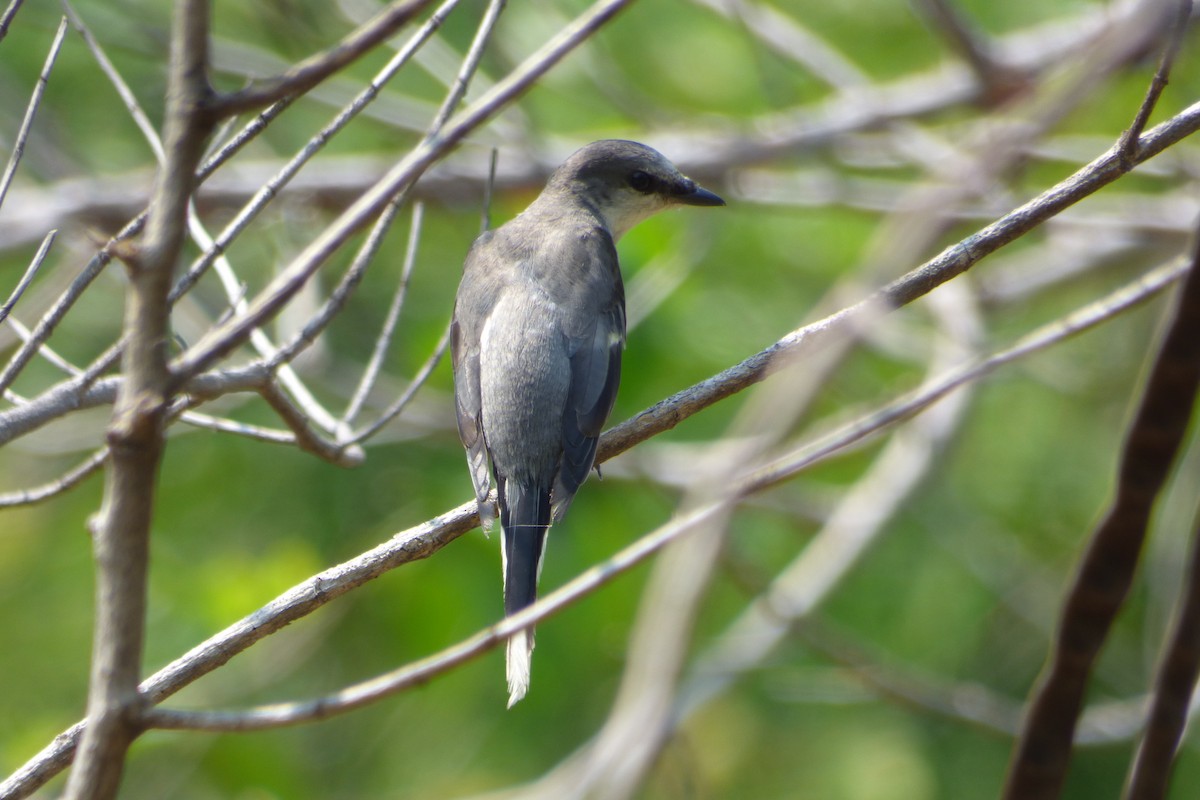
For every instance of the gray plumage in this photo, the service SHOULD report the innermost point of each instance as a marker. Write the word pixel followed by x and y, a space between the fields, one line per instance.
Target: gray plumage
pixel 537 335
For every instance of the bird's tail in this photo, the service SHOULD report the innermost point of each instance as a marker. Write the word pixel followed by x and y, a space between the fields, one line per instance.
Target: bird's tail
pixel 524 518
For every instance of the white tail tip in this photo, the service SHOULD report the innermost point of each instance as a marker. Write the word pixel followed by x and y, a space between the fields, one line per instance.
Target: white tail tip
pixel 519 658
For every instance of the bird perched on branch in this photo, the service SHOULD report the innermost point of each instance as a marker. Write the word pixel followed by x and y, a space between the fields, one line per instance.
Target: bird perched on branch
pixel 537 335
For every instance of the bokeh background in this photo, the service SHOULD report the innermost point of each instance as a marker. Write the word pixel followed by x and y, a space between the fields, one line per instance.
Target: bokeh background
pixel 902 683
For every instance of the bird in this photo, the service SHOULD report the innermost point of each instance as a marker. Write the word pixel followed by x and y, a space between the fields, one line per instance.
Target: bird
pixel 536 341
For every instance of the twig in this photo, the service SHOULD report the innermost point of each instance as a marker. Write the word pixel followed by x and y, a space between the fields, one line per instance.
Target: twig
pixel 457 90
pixel 964 40
pixel 1043 751
pixel 67 480
pixel 257 433
pixel 317 68
pixel 1175 684
pixel 48 353
pixel 306 438
pixel 201 236
pixel 55 314
pixel 30 272
pixel 114 77
pixel 1127 147
pixel 462 79
pixel 418 380
pixel 7 17
pixel 35 100
pixel 379 353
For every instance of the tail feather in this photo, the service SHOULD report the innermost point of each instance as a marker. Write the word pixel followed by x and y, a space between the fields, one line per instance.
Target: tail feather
pixel 524 518
pixel 518 658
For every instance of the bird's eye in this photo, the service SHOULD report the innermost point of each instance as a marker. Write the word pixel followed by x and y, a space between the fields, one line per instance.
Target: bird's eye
pixel 641 182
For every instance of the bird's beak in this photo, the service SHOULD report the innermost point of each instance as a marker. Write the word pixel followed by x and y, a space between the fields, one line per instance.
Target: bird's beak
pixel 699 196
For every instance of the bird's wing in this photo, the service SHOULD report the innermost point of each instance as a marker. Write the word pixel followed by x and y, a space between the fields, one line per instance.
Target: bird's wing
pixel 595 373
pixel 472 307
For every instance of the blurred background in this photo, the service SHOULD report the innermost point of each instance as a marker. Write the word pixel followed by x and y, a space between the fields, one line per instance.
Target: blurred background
pixel 852 141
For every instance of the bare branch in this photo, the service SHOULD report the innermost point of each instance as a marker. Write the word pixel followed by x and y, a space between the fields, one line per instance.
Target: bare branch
pixel 401 402
pixel 114 77
pixel 1044 749
pixel 968 43
pixel 379 352
pixel 66 481
pixel 35 100
pixel 136 433
pixel 1175 684
pixel 1178 27
pixel 30 272
pixel 7 17
pixel 312 71
pixel 308 440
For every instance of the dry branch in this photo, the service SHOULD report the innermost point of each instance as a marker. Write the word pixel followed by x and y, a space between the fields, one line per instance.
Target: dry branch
pixel 1106 572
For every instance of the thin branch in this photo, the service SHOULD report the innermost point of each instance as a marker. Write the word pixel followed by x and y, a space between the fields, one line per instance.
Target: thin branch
pixel 35 100
pixel 1102 724
pixel 66 481
pixel 1175 685
pixel 256 433
pixel 199 234
pixel 30 272
pixel 114 77
pixel 64 303
pixel 1043 751
pixel 1178 27
pixel 392 411
pixel 462 79
pixel 308 440
pixel 382 342
pixel 849 531
pixel 317 68
pixel 968 43
pixel 7 17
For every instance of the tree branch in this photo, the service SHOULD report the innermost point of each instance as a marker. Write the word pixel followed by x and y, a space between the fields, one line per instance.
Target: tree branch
pixel 136 434
pixel 317 68
pixel 1043 752
pixel 31 110
pixel 1175 684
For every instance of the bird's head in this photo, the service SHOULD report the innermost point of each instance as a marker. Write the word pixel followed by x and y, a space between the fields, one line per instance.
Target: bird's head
pixel 627 182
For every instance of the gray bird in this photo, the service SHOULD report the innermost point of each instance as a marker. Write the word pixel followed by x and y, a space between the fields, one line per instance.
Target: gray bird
pixel 537 335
